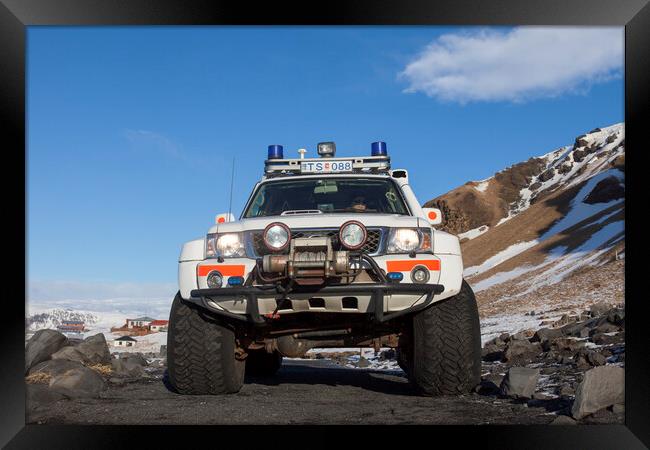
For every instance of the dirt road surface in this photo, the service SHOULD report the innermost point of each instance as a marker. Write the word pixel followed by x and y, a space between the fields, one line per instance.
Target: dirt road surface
pixel 303 392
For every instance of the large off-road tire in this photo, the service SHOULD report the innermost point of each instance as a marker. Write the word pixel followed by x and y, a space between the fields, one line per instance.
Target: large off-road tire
pixel 445 357
pixel 201 353
pixel 260 363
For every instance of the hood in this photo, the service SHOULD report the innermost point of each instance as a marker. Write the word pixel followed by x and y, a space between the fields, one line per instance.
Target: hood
pixel 320 221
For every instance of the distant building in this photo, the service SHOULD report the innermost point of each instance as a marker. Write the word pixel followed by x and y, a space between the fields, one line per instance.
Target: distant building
pixel 71 326
pixel 158 325
pixel 139 322
pixel 124 341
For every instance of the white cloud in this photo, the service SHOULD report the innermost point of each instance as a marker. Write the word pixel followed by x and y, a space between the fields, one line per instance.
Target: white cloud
pixel 126 299
pixel 517 65
pixel 61 290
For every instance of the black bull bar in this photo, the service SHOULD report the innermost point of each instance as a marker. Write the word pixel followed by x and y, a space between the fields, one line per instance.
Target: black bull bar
pixel 377 291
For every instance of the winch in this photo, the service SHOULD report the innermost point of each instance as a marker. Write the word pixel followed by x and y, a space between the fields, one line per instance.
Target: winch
pixel 310 260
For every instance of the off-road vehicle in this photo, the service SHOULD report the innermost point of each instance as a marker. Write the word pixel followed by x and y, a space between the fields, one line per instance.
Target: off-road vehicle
pixel 328 252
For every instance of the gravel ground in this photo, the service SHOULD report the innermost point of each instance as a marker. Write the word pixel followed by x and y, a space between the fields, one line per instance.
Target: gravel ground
pixel 303 392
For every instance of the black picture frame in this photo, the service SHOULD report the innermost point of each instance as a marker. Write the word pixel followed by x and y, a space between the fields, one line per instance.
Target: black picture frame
pixel 16 15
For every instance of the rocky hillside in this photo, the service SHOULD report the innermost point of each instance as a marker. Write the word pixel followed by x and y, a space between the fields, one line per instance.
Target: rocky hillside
pixel 543 225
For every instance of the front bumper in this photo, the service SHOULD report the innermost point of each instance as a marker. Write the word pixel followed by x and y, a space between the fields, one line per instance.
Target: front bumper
pixel 376 291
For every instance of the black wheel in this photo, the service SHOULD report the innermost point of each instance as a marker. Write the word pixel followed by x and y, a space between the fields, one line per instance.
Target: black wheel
pixel 260 363
pixel 201 353
pixel 445 348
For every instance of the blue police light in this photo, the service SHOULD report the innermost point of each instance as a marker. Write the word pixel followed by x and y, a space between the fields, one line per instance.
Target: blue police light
pixel 378 149
pixel 275 152
pixel 235 281
pixel 395 276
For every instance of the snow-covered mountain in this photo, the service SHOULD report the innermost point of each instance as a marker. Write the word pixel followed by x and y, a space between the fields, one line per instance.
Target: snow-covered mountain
pixel 53 318
pixel 548 232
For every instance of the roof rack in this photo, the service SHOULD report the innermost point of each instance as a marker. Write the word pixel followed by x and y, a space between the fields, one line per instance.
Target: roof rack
pixel 360 164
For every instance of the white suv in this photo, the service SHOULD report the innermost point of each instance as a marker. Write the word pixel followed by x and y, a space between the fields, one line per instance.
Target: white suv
pixel 329 252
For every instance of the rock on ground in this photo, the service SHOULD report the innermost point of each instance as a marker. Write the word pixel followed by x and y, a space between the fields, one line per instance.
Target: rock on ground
pixel 41 346
pixel 127 367
pixel 520 382
pixel 564 420
pixel 78 383
pixel 55 367
pixel 601 387
pixel 70 354
pixel 521 351
pixel 95 349
pixel 40 395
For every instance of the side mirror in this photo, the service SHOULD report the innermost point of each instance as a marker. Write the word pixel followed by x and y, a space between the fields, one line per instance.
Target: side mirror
pixel 433 215
pixel 225 217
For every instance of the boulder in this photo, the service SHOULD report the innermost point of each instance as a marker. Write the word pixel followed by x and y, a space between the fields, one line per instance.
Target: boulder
pixel 387 355
pixel 40 395
pixel 601 387
pixel 55 367
pixel 563 420
pixel 71 354
pixel 127 367
pixel 491 352
pixel 95 349
pixel 603 339
pixel 78 383
pixel 520 382
pixel 605 328
pixel 599 309
pixel 586 359
pixel 487 387
pixel 616 316
pixel 41 346
pixel 566 390
pixel 566 345
pixel 135 358
pixel 545 334
pixel 363 362
pixel 521 351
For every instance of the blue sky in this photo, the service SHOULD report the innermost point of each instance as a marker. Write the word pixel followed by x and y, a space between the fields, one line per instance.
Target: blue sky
pixel 132 130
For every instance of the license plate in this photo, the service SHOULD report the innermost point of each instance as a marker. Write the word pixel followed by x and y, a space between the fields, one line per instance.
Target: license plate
pixel 326 166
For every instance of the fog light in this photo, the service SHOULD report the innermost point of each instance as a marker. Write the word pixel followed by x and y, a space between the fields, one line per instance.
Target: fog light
pixel 235 281
pixel 420 274
pixel 215 279
pixel 395 276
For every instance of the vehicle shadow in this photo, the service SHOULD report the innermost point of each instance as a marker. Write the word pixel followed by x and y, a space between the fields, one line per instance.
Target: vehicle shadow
pixel 314 373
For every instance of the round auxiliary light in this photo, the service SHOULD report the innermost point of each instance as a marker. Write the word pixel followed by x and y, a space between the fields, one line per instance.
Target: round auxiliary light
pixel 276 236
pixel 378 149
pixel 353 235
pixel 420 274
pixel 215 279
pixel 275 152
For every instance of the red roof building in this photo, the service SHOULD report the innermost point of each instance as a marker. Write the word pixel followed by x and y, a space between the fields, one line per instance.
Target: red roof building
pixel 158 325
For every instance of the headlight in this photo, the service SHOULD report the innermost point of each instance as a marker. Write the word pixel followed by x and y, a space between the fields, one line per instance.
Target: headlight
pixel 407 240
pixel 353 235
pixel 228 245
pixel 277 236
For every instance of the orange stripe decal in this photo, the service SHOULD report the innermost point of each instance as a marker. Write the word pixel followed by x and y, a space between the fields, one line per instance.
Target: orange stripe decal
pixel 227 270
pixel 405 266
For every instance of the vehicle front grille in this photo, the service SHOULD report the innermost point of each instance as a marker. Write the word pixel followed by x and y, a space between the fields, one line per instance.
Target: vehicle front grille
pixel 256 247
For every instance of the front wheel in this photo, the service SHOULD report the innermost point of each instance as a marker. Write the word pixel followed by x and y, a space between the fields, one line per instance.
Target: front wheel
pixel 445 346
pixel 201 353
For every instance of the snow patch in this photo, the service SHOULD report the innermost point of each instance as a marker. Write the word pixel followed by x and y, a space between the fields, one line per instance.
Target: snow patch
pixel 500 257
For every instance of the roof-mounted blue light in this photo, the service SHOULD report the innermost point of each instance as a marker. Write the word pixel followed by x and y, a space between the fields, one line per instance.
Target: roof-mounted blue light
pixel 275 152
pixel 378 149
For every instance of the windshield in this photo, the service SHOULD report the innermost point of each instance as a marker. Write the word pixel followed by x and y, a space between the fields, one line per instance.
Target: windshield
pixel 331 195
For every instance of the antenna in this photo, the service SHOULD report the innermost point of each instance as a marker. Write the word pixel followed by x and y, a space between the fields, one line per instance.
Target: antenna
pixel 232 180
